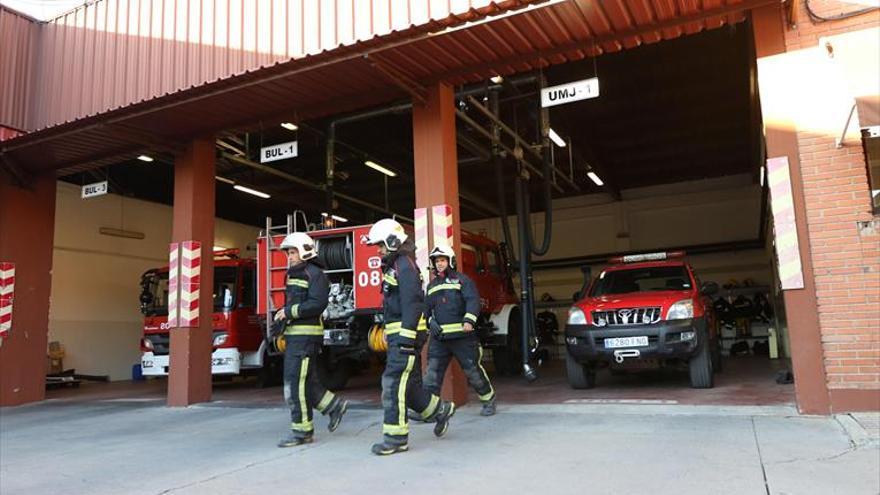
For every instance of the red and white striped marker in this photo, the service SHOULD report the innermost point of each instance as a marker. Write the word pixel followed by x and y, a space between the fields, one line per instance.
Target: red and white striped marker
pixel 184 284
pixel 190 283
pixel 420 218
pixel 7 290
pixel 788 254
pixel 441 217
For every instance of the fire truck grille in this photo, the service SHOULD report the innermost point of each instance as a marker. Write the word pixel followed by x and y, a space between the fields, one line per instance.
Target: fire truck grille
pixel 627 316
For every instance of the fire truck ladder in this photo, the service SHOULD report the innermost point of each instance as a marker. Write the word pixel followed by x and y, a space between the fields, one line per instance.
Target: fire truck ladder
pixel 271 232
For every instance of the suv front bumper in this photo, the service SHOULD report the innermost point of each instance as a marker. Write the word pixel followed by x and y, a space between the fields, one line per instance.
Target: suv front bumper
pixel 587 342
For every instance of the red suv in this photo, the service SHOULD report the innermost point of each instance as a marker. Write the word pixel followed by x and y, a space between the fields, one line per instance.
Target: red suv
pixel 644 307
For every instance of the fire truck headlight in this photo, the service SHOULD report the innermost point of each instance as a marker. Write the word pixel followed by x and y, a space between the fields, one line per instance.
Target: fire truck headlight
pixel 220 339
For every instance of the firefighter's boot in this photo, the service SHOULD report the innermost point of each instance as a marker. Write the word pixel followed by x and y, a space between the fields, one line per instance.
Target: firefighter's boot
pixel 414 416
pixel 388 448
pixel 447 410
pixel 336 415
pixel 488 408
pixel 293 440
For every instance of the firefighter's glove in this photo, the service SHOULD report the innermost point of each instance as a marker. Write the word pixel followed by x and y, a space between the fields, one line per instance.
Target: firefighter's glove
pixel 277 328
pixel 435 328
pixel 279 315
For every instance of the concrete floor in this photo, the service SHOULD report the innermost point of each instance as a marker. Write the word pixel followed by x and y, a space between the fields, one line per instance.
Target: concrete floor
pixel 745 381
pixel 134 446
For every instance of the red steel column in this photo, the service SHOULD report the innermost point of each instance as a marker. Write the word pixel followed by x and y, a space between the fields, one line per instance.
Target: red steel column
pixel 189 378
pixel 436 178
pixel 27 231
pixel 801 308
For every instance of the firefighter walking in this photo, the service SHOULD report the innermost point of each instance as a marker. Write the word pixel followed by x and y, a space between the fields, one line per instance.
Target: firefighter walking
pixel 306 294
pixel 403 308
pixel 452 305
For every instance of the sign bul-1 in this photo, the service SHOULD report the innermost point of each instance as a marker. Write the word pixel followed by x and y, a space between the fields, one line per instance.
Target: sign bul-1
pixel 567 93
pixel 281 151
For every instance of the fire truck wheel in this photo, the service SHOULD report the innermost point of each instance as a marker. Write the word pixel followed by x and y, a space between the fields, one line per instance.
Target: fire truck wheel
pixel 334 373
pixel 270 374
pixel 716 357
pixel 580 376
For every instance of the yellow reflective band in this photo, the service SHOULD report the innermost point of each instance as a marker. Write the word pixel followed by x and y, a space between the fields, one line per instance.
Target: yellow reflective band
pixel 401 397
pixel 440 287
pixel 396 430
pixel 304 330
pixel 393 327
pixel 294 312
pixel 470 317
pixel 432 407
pixel 298 282
pixel 423 325
pixel 491 393
pixel 325 401
pixel 452 327
pixel 407 333
pixel 306 425
pixel 390 279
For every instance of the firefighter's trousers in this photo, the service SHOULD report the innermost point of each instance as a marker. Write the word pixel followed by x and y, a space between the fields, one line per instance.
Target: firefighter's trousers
pixel 302 389
pixel 402 388
pixel 469 354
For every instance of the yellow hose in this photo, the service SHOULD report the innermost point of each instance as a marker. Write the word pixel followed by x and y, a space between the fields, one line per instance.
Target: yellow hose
pixel 376 339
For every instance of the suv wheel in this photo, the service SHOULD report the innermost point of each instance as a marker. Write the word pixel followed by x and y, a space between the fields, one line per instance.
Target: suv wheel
pixel 580 376
pixel 700 366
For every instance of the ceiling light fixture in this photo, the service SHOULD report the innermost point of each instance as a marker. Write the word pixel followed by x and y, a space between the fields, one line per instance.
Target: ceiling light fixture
pixel 224 180
pixel 496 79
pixel 248 190
pixel 145 158
pixel 338 218
pixel 556 139
pixel 290 126
pixel 379 168
pixel 762 177
pixel 595 178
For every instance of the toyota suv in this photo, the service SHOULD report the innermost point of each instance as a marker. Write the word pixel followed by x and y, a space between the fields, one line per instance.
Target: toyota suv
pixel 647 309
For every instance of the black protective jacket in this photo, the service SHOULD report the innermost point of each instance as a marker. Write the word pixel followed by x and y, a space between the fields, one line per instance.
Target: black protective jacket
pixel 403 301
pixel 452 299
pixel 305 299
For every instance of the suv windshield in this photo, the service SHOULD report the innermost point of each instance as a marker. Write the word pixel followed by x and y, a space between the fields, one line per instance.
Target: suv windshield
pixel 641 280
pixel 154 295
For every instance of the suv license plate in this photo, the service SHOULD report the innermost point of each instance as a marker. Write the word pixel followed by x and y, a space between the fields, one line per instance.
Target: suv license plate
pixel 615 343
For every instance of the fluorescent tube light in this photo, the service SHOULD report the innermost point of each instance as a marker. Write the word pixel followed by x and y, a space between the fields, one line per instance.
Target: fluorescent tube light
pixel 595 178
pixel 379 168
pixel 290 126
pixel 145 158
pixel 556 139
pixel 248 190
pixel 224 180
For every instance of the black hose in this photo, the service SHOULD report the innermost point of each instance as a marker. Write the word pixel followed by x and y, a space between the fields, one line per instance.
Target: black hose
pixel 499 182
pixel 334 254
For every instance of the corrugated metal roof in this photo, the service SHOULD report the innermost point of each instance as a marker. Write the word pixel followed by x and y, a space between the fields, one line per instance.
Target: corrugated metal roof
pixel 459 49
pixel 18 38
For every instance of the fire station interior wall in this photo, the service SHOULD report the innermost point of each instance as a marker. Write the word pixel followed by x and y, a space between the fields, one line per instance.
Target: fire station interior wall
pixel 713 211
pixel 94 309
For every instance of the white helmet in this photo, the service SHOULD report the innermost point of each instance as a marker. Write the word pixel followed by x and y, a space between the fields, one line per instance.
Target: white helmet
pixel 302 243
pixel 387 231
pixel 442 250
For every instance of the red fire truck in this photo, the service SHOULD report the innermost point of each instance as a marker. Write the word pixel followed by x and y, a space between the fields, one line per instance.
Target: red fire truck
pixel 238 342
pixel 352 321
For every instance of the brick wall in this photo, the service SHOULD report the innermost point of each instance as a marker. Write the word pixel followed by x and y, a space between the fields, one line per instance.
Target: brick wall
pixel 846 259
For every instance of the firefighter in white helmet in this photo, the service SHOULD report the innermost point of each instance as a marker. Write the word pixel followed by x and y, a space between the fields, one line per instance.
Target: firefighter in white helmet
pixel 405 331
pixel 305 299
pixel 452 304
